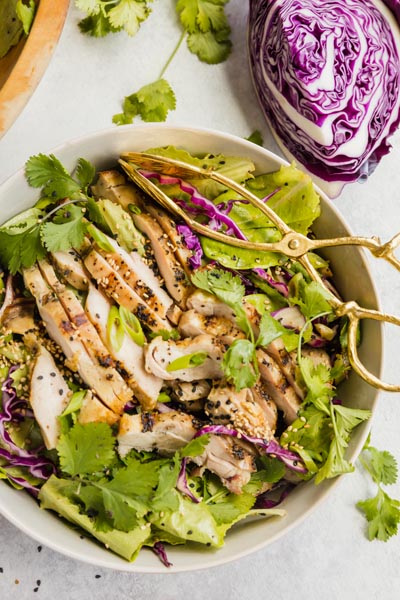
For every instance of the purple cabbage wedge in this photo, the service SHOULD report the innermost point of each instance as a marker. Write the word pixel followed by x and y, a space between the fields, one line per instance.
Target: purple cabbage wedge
pixel 327 74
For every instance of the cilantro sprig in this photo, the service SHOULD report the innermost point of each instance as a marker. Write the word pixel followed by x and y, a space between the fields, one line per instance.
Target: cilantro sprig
pixel 56 223
pixel 206 30
pixel 109 16
pixel 381 511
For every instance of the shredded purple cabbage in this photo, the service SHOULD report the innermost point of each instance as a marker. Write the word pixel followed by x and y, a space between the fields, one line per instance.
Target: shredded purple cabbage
pixel 271 498
pixel 160 551
pixel 218 216
pixel 38 466
pixel 193 243
pixel 182 484
pixel 289 458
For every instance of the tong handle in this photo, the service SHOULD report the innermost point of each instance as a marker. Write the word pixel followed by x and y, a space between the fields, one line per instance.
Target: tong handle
pixel 355 313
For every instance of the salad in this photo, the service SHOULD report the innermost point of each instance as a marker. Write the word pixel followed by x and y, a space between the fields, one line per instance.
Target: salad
pixel 159 386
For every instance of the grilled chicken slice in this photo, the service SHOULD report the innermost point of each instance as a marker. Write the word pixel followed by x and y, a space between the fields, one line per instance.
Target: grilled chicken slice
pixel 191 394
pixel 229 459
pixel 70 267
pixel 116 288
pixel 76 314
pixel 208 305
pixel 264 400
pixel 49 396
pixel 278 387
pixel 225 405
pixel 176 281
pixel 287 362
pixel 114 186
pixel 65 334
pixel 18 316
pixel 160 353
pixel 165 432
pixel 132 268
pixel 129 358
pixel 94 410
pixel 168 225
pixel 193 323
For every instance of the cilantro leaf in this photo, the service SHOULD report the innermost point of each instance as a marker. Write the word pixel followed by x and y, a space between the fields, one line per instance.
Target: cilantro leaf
pixel 383 515
pixel 66 231
pixel 20 250
pixel 128 14
pixel 48 172
pixel 195 447
pixel 227 287
pixel 240 364
pixel 256 138
pixel 85 173
pixel 86 449
pixel 318 381
pixel 312 298
pixel 383 466
pixel 108 17
pixel 271 329
pixel 152 103
pixel 381 511
pixel 210 47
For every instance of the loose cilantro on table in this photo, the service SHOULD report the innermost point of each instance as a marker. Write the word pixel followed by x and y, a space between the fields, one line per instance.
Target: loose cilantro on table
pixel 205 27
pixel 381 511
pixel 110 16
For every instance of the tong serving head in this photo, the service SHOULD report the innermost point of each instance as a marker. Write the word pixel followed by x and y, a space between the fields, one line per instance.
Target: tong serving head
pixel 292 244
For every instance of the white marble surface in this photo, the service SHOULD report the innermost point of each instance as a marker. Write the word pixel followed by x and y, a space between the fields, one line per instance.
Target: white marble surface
pixel 327 556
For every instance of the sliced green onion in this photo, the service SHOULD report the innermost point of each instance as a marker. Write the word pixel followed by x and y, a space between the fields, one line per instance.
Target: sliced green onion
pixel 132 326
pixel 134 209
pixel 115 329
pixel 188 361
pixel 100 238
pixel 163 397
pixel 75 403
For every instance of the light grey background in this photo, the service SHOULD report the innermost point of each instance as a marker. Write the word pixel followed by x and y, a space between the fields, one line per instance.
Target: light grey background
pixel 327 556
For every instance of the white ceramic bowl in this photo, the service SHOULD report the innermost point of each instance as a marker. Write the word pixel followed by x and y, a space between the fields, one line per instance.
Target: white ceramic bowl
pixel 353 280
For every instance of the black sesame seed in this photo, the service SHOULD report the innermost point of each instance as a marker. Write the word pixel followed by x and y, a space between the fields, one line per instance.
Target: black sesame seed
pixel 52 374
pixel 97 576
pixel 39 548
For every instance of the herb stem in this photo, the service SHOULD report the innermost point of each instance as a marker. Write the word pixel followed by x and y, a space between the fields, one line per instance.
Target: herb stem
pixel 172 56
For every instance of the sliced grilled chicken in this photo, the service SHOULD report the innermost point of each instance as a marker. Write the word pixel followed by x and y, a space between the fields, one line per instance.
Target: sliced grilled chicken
pixel 49 396
pixel 208 305
pixel 317 356
pixel 94 410
pixel 116 288
pixel 228 459
pixel 191 394
pixel 176 281
pixel 264 400
pixel 278 387
pixel 160 353
pixel 165 432
pixel 114 186
pixel 65 334
pixel 168 225
pixel 70 267
pixel 287 362
pixel 193 323
pixel 129 358
pixel 18 316
pixel 225 405
pixel 186 391
pixel 132 268
pixel 76 314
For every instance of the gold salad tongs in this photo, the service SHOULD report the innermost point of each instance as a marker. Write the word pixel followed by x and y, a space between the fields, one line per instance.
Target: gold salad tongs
pixel 292 244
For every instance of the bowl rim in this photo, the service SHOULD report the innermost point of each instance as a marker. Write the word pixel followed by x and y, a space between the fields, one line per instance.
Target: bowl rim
pixel 213 560
pixel 32 61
